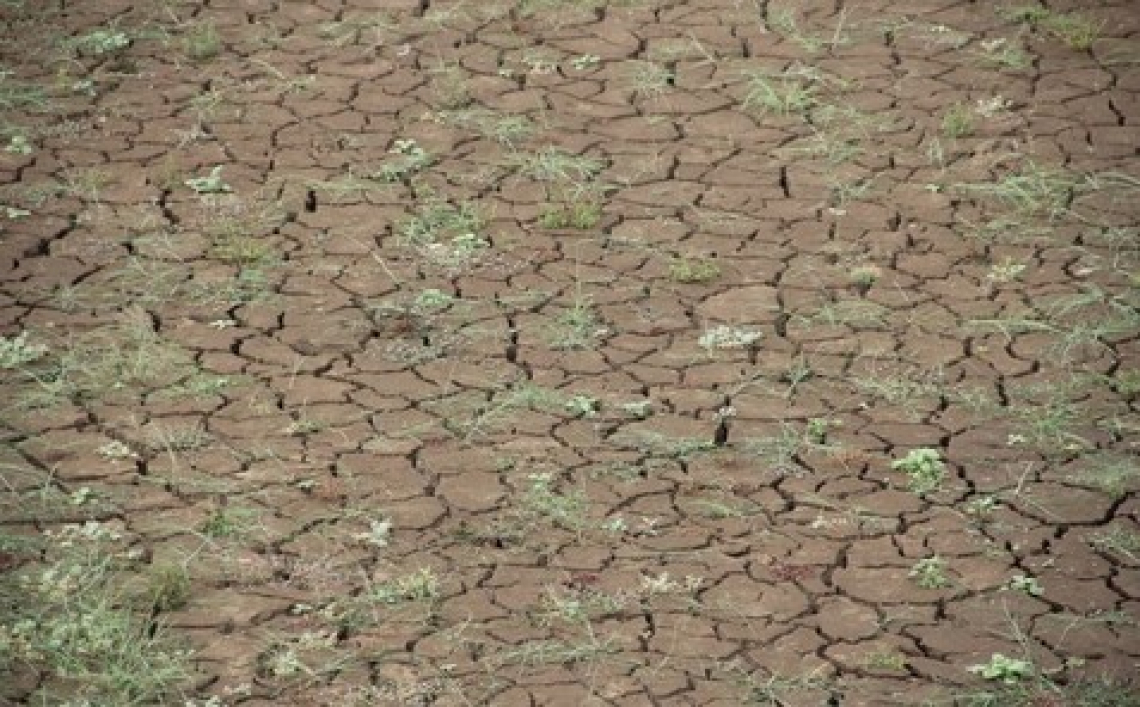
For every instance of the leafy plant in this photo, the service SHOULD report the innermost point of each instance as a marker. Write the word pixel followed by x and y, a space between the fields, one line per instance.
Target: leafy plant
pixel 930 573
pixel 958 121
pixel 101 41
pixel 410 159
pixel 1007 670
pixel 925 468
pixel 728 337
pixel 210 184
pixel 70 619
pixel 581 215
pixel 202 42
pixel 693 270
pixel 1026 584
pixel 17 351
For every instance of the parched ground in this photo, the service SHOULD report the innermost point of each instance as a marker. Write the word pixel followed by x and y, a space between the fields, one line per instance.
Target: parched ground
pixel 364 352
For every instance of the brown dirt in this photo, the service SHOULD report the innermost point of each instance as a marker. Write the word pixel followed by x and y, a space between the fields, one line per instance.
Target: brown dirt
pixel 673 536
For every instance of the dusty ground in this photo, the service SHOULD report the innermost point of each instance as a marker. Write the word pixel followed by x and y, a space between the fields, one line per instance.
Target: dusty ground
pixel 563 355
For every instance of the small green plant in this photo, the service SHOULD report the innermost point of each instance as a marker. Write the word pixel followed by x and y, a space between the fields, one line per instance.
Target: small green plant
pixel 786 94
pixel 577 327
pixel 864 277
pixel 210 184
pixel 202 42
pixel 585 62
pixel 168 587
pixel 1118 540
pixel 1116 476
pixel 1025 584
pixel 728 337
pixel 19 145
pixel 638 409
pixel 818 429
pixel 930 573
pixel 1007 670
pixel 419 586
pixel 886 660
pixel 582 215
pixel 16 351
pixel 982 506
pixel 379 533
pixel 1074 29
pixel 958 121
pixel 567 510
pixel 432 300
pixel 70 619
pixel 100 42
pixel 783 21
pixel 1000 53
pixel 450 85
pixel 16 95
pixel 409 159
pixel 226 522
pixel 924 467
pixel 507 130
pixel 650 79
pixel 582 405
pixel 693 270
pixel 551 164
pixel 1077 31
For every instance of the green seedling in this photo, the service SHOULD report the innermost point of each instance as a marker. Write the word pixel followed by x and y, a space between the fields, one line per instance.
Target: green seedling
pixel 930 573
pixel 1075 30
pixel 19 145
pixel 1114 475
pixel 210 184
pixel 1007 670
pixel 583 405
pixel 16 95
pixel 728 337
pixel 1025 584
pixel 379 533
pixel 581 215
pixel 15 352
pixel 202 42
pixel 551 164
pixel 1000 53
pixel 650 79
pixel 982 506
pixel 638 410
pixel 410 159
pixel 577 327
pixel 100 42
pixel 924 467
pixel 420 586
pixel 168 587
pixel 958 121
pixel 432 300
pixel 507 130
pixel 788 94
pixel 585 62
pixel 693 270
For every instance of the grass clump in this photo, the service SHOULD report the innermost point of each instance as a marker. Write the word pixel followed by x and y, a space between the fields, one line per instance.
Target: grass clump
pixel 782 95
pixel 69 619
pixel 580 215
pixel 958 121
pixel 693 270
pixel 925 469
pixel 202 42
pixel 1075 30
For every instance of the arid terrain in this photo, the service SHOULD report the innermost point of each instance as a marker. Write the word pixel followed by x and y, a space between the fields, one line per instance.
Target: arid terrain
pixel 565 352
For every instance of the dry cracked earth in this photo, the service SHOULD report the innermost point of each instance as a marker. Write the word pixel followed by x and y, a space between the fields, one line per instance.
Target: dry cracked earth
pixel 570 353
